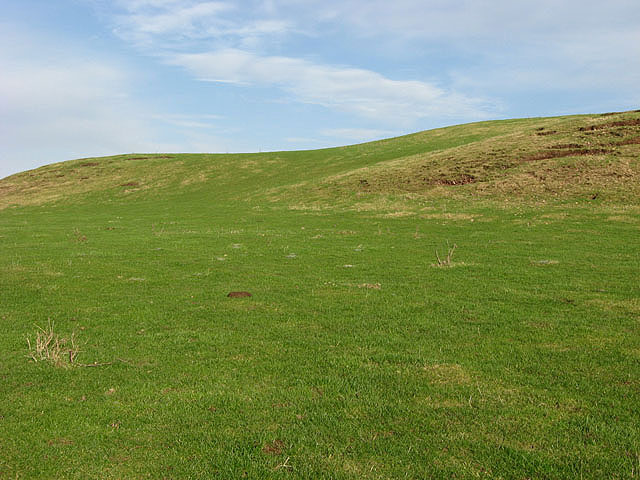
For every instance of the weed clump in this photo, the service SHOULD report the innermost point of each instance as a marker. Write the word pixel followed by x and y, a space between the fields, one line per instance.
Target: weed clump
pixel 51 347
pixel 446 261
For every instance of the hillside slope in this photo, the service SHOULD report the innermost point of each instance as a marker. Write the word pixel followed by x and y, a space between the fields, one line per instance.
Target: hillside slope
pixel 535 159
pixel 457 303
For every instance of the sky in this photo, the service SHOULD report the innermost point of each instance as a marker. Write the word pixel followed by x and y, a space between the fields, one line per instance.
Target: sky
pixel 84 78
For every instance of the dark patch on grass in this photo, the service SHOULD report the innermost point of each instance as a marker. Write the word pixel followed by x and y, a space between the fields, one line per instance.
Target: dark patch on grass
pixel 274 448
pixel 130 184
pixel 547 132
pixel 461 180
pixel 631 122
pixel 60 441
pixel 565 146
pixel 565 153
pixel 89 164
pixel 630 141
pixel 238 294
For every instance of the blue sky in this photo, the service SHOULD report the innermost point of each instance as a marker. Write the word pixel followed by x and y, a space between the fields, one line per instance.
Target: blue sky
pixel 83 78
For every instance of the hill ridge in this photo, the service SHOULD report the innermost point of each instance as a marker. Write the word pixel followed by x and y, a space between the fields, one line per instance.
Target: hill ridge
pixel 531 158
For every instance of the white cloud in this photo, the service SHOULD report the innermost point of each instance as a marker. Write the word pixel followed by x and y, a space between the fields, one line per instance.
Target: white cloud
pixel 55 108
pixel 146 21
pixel 462 20
pixel 223 42
pixel 527 46
pixel 174 24
pixel 359 91
pixel 524 48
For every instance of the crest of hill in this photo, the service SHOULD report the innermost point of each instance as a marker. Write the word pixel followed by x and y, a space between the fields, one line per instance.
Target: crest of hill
pixel 538 159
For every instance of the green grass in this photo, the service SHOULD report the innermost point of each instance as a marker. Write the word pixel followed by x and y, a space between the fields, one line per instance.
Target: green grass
pixel 356 356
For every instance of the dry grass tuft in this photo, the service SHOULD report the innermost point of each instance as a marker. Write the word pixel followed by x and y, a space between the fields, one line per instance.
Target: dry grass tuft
pixel 51 347
pixel 446 261
pixel 447 373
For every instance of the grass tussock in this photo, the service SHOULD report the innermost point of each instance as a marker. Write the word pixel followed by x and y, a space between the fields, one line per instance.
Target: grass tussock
pixel 49 346
pixel 446 260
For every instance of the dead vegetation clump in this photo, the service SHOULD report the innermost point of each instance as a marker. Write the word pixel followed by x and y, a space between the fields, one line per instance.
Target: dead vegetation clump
pixel 448 259
pixel 461 180
pixel 79 237
pixel 274 448
pixel 51 347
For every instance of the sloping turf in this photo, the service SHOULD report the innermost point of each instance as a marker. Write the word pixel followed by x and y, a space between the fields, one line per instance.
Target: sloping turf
pixel 357 356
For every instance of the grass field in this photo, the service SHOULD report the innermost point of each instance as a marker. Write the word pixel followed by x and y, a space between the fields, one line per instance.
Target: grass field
pixel 359 354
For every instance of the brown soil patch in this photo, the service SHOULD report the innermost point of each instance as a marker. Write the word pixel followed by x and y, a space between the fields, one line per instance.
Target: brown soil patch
pixel 632 122
pixel 274 448
pixel 461 180
pixel 565 146
pixel 89 164
pixel 630 141
pixel 544 133
pixel 565 153
pixel 130 184
pixel 238 294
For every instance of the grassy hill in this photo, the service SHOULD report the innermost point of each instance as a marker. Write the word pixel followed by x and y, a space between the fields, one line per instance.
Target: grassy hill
pixel 456 303
pixel 530 159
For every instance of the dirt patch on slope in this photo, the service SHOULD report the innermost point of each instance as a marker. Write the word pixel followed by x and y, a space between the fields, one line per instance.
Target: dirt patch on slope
pixel 461 180
pixel 630 141
pixel 630 122
pixel 558 152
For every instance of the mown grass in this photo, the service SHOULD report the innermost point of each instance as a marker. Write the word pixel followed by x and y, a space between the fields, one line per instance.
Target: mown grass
pixel 355 357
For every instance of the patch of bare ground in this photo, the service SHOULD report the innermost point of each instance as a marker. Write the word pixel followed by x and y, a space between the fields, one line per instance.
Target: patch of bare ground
pixel 630 122
pixel 565 146
pixel 558 152
pixel 273 448
pixel 460 180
